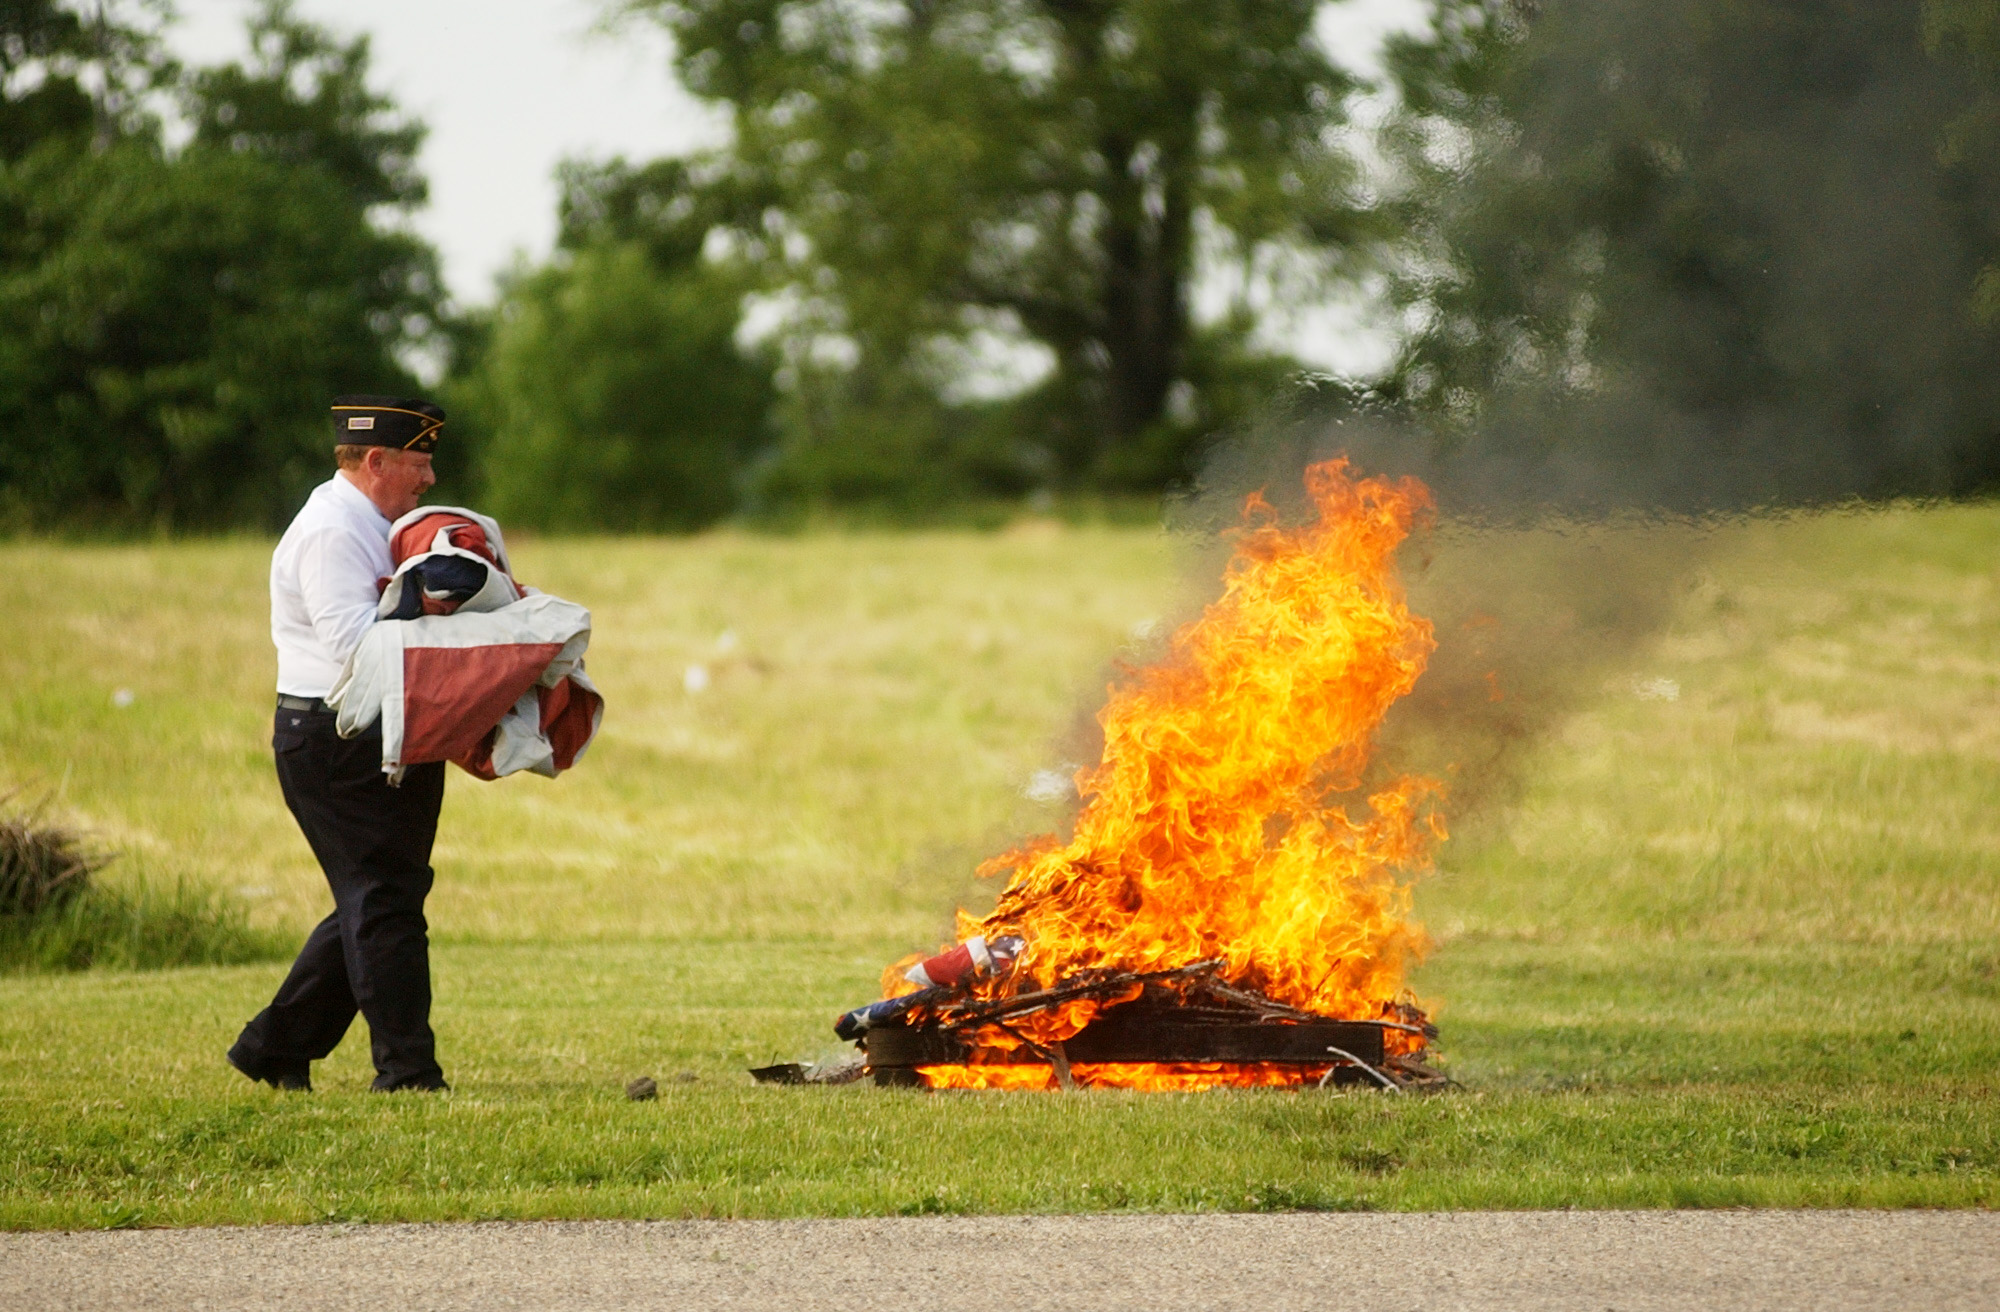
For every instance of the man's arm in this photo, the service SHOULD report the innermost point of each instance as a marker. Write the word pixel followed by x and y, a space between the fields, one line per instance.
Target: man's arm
pixel 337 581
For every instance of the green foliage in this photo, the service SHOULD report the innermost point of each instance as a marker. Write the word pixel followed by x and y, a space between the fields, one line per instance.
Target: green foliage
pixel 41 32
pixel 71 75
pixel 305 101
pixel 939 178
pixel 876 440
pixel 1714 251
pixel 172 322
pixel 668 206
pixel 617 396
pixel 1967 33
pixel 607 389
pixel 168 358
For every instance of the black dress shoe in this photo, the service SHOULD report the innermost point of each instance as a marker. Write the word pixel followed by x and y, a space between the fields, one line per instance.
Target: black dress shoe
pixel 297 1078
pixel 413 1084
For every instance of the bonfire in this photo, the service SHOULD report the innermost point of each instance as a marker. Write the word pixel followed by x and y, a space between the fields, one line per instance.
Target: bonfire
pixel 1236 880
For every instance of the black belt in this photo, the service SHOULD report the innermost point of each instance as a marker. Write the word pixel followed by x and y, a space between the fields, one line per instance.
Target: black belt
pixel 287 702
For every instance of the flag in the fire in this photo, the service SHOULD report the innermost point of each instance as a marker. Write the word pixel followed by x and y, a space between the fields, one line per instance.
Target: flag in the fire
pixel 971 959
pixel 853 1024
pixel 976 958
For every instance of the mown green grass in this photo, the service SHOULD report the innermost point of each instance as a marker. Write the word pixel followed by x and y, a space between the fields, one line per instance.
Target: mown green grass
pixel 1740 947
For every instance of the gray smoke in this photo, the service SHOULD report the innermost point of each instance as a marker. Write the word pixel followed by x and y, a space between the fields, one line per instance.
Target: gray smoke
pixel 1533 608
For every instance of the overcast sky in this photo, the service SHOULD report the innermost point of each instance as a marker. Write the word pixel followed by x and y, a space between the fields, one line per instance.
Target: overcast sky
pixel 511 87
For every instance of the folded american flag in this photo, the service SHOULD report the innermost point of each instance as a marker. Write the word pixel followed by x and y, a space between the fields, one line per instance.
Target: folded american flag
pixel 487 674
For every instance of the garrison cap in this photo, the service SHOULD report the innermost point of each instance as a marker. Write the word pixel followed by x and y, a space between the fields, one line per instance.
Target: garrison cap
pixel 399 421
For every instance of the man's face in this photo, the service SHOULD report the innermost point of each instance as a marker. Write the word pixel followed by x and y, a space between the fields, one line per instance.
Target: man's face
pixel 400 480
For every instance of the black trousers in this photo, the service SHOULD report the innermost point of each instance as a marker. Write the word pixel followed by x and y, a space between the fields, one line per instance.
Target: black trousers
pixel 373 953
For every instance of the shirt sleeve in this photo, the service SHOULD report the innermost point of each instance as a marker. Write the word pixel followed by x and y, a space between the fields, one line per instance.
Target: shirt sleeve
pixel 337 584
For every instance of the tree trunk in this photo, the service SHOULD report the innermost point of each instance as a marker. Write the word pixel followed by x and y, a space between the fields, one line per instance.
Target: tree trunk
pixel 1143 317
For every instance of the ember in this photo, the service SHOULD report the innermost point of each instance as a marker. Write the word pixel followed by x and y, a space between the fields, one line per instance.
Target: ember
pixel 1219 915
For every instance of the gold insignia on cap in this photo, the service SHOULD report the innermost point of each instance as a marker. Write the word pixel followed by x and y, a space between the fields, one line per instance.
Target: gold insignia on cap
pixel 387 421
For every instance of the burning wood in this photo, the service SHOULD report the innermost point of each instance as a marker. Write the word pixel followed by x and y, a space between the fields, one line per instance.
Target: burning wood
pixel 1183 1029
pixel 1226 910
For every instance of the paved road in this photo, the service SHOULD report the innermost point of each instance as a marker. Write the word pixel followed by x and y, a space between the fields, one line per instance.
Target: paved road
pixel 1629 1261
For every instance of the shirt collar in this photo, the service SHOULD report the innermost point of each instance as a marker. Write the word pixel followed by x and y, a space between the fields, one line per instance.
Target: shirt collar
pixel 356 499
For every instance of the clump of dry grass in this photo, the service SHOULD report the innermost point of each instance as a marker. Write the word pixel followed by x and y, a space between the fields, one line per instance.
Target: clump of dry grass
pixel 43 866
pixel 54 918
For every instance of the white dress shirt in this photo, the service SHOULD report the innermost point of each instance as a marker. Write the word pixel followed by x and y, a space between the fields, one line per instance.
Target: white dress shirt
pixel 323 585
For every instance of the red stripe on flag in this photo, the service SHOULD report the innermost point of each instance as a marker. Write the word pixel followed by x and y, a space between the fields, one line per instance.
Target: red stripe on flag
pixel 453 696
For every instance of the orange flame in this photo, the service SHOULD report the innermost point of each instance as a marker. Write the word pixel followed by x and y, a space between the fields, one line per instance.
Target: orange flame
pixel 1211 829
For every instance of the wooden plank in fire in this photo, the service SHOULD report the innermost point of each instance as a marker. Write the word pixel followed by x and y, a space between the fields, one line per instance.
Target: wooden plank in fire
pixel 1143 1034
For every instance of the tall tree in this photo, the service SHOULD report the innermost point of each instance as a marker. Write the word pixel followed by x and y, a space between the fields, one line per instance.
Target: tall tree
pixel 617 395
pixel 608 388
pixel 303 99
pixel 1967 33
pixel 72 74
pixel 1055 174
pixel 1700 250
pixel 172 322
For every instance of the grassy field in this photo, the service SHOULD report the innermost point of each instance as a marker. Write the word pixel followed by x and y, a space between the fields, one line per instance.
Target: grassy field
pixel 1733 938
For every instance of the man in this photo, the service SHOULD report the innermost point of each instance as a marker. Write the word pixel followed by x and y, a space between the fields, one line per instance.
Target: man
pixel 372 839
